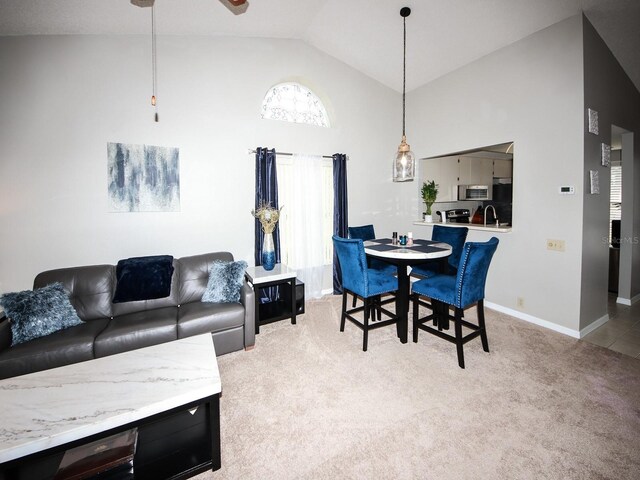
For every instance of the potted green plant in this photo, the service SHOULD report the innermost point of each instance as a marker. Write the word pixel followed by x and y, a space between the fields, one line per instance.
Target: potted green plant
pixel 429 194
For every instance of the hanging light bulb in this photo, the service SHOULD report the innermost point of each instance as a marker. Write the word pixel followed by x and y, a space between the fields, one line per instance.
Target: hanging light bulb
pixel 404 163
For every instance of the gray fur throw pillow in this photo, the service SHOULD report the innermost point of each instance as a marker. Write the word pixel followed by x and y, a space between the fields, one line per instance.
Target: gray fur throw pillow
pixel 40 312
pixel 225 282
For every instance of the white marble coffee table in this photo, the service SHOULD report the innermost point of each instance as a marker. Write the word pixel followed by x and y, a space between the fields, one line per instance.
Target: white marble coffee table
pixel 47 410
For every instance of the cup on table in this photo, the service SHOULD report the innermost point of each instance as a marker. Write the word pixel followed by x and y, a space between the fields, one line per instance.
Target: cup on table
pixel 403 240
pixel 394 238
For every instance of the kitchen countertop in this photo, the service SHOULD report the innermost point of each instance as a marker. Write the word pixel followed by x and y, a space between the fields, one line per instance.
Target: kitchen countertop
pixel 470 226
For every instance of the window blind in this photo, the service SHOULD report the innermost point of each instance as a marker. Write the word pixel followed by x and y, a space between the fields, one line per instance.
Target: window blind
pixel 615 202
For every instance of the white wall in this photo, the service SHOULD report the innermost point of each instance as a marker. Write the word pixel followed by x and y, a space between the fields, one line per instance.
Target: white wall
pixel 609 91
pixel 63 98
pixel 530 92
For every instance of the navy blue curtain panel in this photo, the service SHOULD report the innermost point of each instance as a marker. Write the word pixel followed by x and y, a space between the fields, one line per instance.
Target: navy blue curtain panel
pixel 266 192
pixel 340 212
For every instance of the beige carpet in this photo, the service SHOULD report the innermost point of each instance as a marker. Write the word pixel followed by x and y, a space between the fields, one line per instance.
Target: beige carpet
pixel 307 403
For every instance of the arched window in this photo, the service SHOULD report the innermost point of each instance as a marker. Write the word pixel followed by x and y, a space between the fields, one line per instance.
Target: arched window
pixel 295 103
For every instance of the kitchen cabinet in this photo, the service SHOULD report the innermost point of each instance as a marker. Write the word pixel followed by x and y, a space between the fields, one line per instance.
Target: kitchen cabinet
pixel 475 171
pixel 449 172
pixel 469 167
pixel 503 168
pixel 444 171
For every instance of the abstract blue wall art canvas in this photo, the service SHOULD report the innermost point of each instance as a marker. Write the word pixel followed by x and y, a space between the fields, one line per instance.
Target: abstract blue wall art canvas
pixel 143 178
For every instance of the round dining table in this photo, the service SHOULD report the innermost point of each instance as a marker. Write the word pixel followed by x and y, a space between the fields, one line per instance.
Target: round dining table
pixel 403 257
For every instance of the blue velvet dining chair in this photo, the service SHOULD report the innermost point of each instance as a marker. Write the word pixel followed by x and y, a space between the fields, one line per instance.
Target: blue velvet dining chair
pixel 364 233
pixel 460 292
pixel 367 232
pixel 363 282
pixel 454 236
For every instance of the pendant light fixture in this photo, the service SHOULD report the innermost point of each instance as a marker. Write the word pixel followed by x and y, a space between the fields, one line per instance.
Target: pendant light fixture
pixel 153 63
pixel 404 164
pixel 154 82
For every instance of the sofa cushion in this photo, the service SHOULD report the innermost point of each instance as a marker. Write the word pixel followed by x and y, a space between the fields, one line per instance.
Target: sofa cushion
pixel 137 330
pixel 225 282
pixel 197 318
pixel 90 288
pixel 61 348
pixel 37 313
pixel 194 274
pixel 143 278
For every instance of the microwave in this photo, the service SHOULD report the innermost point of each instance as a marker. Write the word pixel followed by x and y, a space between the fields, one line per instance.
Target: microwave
pixel 474 192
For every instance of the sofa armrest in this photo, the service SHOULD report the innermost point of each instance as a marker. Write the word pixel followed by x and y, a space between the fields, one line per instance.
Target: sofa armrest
pixel 247 298
pixel 5 333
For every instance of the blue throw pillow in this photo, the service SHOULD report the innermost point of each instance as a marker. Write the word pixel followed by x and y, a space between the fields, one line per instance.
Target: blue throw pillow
pixel 143 278
pixel 225 282
pixel 40 312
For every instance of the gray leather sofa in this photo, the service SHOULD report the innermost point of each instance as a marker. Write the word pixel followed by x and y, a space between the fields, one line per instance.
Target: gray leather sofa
pixel 110 328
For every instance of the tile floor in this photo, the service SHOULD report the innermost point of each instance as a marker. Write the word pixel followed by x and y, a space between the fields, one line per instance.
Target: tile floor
pixel 622 332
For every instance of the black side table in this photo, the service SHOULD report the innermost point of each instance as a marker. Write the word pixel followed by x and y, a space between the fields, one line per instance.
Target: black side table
pixel 280 275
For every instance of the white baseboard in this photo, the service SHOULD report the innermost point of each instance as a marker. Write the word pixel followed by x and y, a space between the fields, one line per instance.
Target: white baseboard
pixel 590 328
pixel 627 301
pixel 535 320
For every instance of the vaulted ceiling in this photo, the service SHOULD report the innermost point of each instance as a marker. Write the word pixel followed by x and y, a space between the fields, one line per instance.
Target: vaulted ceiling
pixel 442 35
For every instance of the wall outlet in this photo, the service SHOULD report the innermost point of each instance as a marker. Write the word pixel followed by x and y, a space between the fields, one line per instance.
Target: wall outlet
pixel 520 302
pixel 557 245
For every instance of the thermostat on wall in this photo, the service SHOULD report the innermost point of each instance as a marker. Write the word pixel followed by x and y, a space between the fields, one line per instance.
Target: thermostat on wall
pixel 566 190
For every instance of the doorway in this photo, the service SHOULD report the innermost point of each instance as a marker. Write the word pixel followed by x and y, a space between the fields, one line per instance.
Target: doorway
pixel 622 142
pixel 621 332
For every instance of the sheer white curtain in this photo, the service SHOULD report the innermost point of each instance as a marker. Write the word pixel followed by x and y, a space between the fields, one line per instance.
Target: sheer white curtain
pixel 300 190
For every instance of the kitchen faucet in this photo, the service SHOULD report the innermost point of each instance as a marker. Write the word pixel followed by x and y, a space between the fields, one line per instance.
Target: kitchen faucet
pixel 494 214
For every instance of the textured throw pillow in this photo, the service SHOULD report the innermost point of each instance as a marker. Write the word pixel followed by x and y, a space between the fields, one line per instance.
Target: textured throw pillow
pixel 40 312
pixel 143 278
pixel 225 282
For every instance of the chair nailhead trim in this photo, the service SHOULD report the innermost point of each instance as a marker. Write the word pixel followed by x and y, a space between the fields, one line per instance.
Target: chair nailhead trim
pixel 461 272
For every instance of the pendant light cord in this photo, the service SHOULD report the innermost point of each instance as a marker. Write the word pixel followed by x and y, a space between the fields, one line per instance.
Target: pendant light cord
pixel 154 80
pixel 153 50
pixel 404 70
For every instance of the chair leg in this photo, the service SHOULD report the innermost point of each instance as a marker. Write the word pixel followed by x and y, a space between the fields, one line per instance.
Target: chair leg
pixel 416 307
pixel 483 330
pixel 458 330
pixel 379 309
pixel 367 311
pixel 355 300
pixel 438 313
pixel 343 319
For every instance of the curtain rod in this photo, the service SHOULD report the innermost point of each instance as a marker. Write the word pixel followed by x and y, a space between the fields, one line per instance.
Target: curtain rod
pixel 286 154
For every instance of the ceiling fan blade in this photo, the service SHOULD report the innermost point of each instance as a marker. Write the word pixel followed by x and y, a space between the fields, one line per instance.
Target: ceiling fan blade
pixel 237 7
pixel 143 3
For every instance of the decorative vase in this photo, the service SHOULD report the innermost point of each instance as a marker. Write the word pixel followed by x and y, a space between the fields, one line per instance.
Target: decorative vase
pixel 268 252
pixel 428 218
